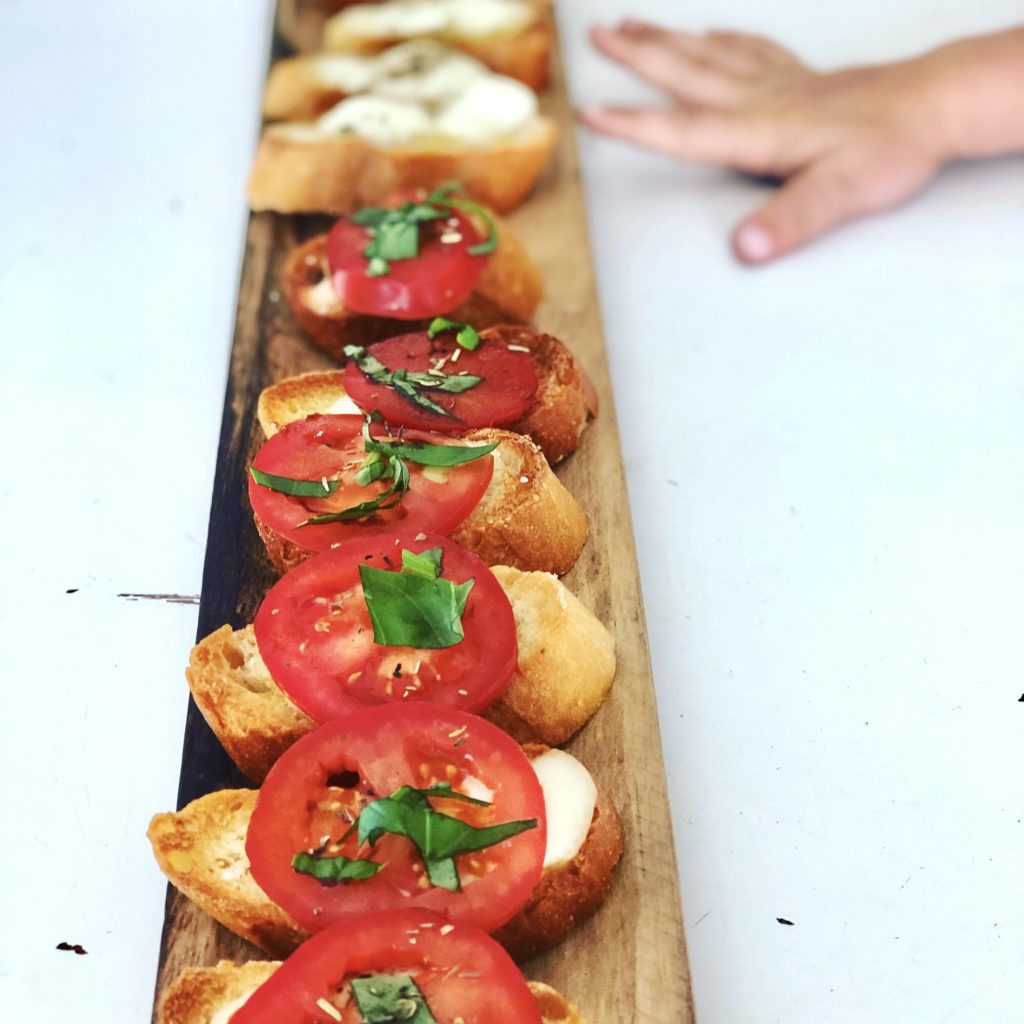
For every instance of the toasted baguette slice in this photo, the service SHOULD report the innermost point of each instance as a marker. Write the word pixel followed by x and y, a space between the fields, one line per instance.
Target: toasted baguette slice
pixel 509 289
pixel 298 171
pixel 201 849
pixel 310 84
pixel 523 53
pixel 566 665
pixel 209 995
pixel 526 518
pixel 564 405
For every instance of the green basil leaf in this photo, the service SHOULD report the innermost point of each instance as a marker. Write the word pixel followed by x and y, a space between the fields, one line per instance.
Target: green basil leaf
pixel 438 837
pixel 441 194
pixel 334 869
pixel 407 389
pixel 426 563
pixel 409 609
pixel 467 336
pixel 388 498
pixel 407 382
pixel 369 216
pixel 490 243
pixel 431 454
pixel 365 363
pixel 419 213
pixel 396 240
pixel 390 999
pixel 377 267
pixel 298 488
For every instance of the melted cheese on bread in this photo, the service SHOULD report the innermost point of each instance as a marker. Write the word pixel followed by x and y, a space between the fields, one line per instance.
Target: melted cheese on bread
pixel 405 19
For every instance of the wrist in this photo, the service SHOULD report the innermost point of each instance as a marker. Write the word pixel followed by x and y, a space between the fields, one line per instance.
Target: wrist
pixel 973 88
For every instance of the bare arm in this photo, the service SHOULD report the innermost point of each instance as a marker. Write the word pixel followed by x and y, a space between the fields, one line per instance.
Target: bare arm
pixel 846 143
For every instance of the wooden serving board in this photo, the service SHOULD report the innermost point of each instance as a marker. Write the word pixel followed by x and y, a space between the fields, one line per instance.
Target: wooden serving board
pixel 627 964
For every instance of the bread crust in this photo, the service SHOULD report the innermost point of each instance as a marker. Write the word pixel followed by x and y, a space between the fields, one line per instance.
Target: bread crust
pixel 509 289
pixel 526 518
pixel 201 849
pixel 253 718
pixel 525 55
pixel 568 894
pixel 566 660
pixel 341 173
pixel 199 993
pixel 562 409
pixel 566 667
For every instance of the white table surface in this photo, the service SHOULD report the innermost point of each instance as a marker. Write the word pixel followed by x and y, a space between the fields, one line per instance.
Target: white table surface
pixel 824 463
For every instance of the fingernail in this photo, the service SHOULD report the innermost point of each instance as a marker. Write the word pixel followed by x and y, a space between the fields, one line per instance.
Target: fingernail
pixel 754 244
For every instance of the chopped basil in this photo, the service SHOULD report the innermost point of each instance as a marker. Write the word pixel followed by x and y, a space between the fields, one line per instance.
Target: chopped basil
pixel 407 389
pixel 438 837
pixel 390 999
pixel 322 488
pixel 408 383
pixel 415 607
pixel 426 563
pixel 334 869
pixel 467 336
pixel 384 459
pixel 395 234
pixel 431 454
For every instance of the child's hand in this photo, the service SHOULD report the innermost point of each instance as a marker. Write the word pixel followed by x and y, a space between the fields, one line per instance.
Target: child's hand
pixel 846 143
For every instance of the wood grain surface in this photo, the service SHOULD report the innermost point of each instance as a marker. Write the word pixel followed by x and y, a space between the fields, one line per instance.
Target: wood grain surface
pixel 627 964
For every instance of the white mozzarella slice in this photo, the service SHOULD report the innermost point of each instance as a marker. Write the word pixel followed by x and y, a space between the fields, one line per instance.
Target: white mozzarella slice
pixel 401 19
pixel 488 108
pixel 343 405
pixel 382 121
pixel 425 71
pixel 321 297
pixel 570 797
pixel 487 17
pixel 345 72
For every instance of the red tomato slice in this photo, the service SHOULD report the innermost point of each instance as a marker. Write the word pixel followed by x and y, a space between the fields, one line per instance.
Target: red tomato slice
pixel 319 786
pixel 504 395
pixel 315 635
pixel 463 973
pixel 332 447
pixel 441 277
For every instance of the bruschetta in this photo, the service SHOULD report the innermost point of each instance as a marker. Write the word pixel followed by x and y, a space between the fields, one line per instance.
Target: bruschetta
pixel 392 269
pixel 514 377
pixel 522 845
pixel 328 478
pixel 310 980
pixel 513 37
pixel 522 650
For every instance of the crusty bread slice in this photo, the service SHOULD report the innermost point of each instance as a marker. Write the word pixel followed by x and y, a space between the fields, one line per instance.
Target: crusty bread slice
pixel 566 665
pixel 201 849
pixel 526 518
pixel 524 54
pixel 296 171
pixel 199 994
pixel 564 405
pixel 509 289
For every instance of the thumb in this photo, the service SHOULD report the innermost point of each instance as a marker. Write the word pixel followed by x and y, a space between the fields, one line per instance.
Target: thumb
pixel 812 202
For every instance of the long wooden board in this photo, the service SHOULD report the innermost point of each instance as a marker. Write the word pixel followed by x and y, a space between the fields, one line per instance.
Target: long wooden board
pixel 628 964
